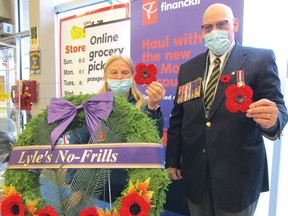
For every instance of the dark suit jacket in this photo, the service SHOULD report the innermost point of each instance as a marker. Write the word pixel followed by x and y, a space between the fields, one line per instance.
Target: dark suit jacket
pixel 230 144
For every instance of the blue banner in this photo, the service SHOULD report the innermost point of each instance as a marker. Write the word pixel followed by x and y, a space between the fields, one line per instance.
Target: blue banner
pixel 167 34
pixel 104 155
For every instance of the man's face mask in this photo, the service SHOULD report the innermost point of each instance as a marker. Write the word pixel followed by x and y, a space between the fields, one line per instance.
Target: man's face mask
pixel 217 41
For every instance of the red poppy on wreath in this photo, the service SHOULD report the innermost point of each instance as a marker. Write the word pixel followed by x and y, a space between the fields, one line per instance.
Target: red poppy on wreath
pixel 48 210
pixel 238 98
pixel 91 211
pixel 13 206
pixel 225 79
pixel 145 74
pixel 134 205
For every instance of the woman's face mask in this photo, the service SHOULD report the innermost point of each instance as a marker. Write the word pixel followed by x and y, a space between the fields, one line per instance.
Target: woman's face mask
pixel 217 41
pixel 119 86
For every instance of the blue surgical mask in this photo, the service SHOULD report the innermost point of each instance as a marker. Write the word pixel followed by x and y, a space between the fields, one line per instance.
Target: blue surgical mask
pixel 217 41
pixel 119 86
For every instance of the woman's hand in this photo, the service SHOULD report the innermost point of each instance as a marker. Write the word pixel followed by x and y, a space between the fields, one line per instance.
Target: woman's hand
pixel 155 93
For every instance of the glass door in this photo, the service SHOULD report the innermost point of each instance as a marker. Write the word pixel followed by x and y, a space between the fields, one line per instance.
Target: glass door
pixel 9 97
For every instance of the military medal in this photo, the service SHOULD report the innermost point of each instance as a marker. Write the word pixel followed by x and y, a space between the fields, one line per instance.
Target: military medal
pixel 189 91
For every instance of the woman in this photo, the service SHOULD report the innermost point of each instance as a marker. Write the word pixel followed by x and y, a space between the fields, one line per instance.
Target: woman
pixel 119 78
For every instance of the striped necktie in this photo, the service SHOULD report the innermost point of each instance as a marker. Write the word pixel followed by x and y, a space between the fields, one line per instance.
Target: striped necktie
pixel 212 83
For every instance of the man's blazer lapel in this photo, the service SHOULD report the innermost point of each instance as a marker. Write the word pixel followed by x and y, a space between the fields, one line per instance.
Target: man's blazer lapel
pixel 234 62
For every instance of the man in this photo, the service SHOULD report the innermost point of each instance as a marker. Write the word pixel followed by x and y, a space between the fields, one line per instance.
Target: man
pixel 220 154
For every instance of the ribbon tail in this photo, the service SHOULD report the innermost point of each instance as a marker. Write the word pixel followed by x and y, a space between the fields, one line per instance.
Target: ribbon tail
pixel 56 133
pixel 97 108
pixel 92 121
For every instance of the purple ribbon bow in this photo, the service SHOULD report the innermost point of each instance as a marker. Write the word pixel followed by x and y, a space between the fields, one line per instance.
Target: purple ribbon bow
pixel 95 108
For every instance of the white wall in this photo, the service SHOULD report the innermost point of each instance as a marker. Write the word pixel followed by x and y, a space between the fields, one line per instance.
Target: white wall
pixel 264 26
pixel 5 10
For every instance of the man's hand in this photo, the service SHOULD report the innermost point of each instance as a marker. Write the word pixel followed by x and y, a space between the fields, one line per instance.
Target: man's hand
pixel 174 173
pixel 264 112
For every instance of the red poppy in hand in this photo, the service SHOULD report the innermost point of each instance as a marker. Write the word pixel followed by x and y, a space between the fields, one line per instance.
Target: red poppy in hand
pixel 145 74
pixel 225 79
pixel 238 98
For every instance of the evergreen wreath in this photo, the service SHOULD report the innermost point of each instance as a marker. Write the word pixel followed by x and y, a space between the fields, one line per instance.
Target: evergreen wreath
pixel 131 125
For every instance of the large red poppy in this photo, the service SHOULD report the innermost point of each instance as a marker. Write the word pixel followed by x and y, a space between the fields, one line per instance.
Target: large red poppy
pixel 145 74
pixel 134 205
pixel 13 206
pixel 47 211
pixel 91 211
pixel 239 98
